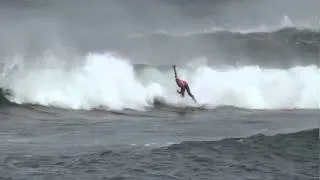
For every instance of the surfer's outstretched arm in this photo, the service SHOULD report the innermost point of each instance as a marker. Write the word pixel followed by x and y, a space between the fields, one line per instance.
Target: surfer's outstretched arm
pixel 175 71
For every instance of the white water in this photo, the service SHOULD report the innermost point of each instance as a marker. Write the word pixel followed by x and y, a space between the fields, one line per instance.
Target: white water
pixel 109 81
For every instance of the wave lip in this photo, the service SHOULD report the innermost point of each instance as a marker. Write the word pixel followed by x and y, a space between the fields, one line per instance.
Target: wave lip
pixel 311 24
pixel 111 82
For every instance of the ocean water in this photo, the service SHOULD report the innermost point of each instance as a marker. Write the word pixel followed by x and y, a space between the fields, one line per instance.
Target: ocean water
pixel 88 90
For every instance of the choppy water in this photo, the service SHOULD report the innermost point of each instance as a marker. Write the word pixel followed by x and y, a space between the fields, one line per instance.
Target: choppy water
pixel 225 143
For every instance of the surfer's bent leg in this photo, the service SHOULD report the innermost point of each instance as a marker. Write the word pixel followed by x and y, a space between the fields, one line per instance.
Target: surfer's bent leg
pixel 182 91
pixel 190 94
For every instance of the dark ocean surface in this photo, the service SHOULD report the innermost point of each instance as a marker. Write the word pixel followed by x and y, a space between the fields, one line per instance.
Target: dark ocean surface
pixel 225 143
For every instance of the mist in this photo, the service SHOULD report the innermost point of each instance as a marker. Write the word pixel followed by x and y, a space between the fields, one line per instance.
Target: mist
pixel 75 27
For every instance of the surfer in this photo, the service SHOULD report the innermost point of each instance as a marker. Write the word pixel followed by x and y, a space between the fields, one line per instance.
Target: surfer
pixel 183 85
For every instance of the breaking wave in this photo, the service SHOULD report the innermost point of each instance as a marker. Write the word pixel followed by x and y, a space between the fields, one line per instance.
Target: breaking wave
pixel 112 82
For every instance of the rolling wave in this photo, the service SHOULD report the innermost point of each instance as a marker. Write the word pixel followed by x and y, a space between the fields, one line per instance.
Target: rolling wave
pixel 289 156
pixel 113 83
pixel 290 35
pixel 305 137
pixel 283 48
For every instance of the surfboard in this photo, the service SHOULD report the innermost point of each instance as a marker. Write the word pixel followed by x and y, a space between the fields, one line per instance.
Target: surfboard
pixel 202 106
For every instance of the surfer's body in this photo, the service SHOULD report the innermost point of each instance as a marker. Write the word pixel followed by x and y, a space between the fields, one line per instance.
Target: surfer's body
pixel 183 85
